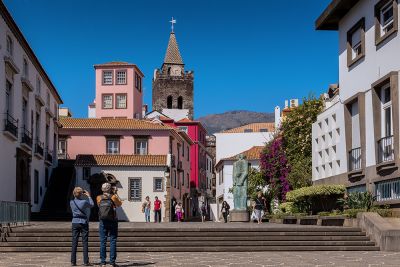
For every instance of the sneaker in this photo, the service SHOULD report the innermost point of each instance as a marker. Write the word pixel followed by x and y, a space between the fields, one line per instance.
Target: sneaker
pixel 88 264
pixel 73 264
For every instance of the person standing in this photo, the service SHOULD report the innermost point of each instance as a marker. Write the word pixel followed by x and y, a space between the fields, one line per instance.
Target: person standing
pixel 146 208
pixel 108 222
pixel 225 210
pixel 203 211
pixel 259 206
pixel 157 210
pixel 80 207
pixel 179 211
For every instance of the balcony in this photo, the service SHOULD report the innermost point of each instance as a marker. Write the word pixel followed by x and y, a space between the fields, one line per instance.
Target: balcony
pixel 355 159
pixel 49 156
pixel 39 152
pixel 62 154
pixel 26 83
pixel 385 149
pixel 11 127
pixel 26 139
pixel 39 100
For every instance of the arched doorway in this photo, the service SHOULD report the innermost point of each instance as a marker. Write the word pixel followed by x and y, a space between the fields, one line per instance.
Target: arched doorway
pixel 23 181
pixel 169 102
pixel 180 102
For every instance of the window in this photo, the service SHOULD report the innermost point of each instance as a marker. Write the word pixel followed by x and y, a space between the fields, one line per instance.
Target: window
pixel 248 130
pixel 37 130
pixel 183 129
pixel 36 187
pixel 180 102
pixel 385 19
pixel 187 180
pixel 48 99
pixel 38 85
pixel 8 97
pixel 86 173
pixel 107 77
pixel 187 153
pixel 46 177
pixel 169 102
pixel 138 82
pixel 183 179
pixel 107 101
pixel 10 46
pixel 356 42
pixel 387 129
pixel 121 77
pixel 120 101
pixel 387 190
pixel 24 113
pixel 135 189
pixel 25 68
pixel 112 146
pixel 175 182
pixel 263 130
pixel 158 184
pixel 141 146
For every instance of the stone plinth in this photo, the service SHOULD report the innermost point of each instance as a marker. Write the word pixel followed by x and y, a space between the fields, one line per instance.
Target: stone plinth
pixel 239 216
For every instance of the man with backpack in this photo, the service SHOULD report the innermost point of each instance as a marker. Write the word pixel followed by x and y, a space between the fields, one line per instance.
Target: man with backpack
pixel 108 222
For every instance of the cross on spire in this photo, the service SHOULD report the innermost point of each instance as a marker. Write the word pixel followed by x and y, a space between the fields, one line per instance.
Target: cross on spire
pixel 173 21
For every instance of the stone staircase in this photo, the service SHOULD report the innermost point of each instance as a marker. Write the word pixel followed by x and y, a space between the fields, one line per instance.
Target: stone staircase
pixel 196 237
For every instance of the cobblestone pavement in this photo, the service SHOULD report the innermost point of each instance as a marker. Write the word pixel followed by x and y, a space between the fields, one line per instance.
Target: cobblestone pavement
pixel 295 259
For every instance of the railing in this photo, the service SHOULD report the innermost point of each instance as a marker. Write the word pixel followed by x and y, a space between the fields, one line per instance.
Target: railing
pixel 355 159
pixel 39 147
pixel 26 137
pixel 385 149
pixel 388 190
pixel 49 155
pixel 14 212
pixel 11 125
pixel 62 154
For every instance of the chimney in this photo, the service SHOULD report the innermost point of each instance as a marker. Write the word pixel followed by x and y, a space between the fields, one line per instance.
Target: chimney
pixel 144 110
pixel 286 104
pixel 277 117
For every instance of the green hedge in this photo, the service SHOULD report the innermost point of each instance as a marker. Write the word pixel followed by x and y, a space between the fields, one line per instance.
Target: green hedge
pixel 314 191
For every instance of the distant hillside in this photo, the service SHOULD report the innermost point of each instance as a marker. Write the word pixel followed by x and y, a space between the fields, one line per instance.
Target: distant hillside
pixel 215 123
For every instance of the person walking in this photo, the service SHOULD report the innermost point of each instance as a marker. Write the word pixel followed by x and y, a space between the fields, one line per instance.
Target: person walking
pixel 203 211
pixel 157 210
pixel 146 207
pixel 259 206
pixel 225 210
pixel 80 207
pixel 179 211
pixel 108 222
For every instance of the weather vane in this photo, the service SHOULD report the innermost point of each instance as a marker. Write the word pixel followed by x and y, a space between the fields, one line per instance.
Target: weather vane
pixel 173 21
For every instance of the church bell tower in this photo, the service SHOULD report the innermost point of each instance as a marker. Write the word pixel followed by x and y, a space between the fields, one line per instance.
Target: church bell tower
pixel 172 85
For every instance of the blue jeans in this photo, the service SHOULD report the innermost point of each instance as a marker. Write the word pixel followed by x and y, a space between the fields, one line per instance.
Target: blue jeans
pixel 157 216
pixel 147 215
pixel 108 229
pixel 77 230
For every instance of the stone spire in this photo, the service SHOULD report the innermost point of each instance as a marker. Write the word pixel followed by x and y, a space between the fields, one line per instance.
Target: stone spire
pixel 173 56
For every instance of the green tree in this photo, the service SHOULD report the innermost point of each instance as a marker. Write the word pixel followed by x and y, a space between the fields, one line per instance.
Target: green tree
pixel 296 131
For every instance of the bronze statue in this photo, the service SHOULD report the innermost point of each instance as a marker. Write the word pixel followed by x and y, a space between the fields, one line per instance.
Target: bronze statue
pixel 240 175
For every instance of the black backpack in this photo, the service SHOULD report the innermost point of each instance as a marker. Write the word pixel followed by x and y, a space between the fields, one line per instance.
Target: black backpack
pixel 107 209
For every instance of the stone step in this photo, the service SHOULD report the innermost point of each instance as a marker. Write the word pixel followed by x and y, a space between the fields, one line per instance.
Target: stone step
pixel 187 234
pixel 198 238
pixel 198 249
pixel 198 243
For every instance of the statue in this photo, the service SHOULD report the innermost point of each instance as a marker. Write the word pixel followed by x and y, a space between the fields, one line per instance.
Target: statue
pixel 240 175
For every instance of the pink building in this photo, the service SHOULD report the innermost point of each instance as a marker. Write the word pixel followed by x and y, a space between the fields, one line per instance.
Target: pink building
pixel 119 92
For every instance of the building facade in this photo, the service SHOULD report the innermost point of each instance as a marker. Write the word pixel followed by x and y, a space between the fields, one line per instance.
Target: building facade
pixel 119 91
pixel 29 116
pixel 173 91
pixel 368 105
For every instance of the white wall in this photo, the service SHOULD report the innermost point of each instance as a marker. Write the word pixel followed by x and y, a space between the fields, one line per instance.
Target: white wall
pixel 230 144
pixel 329 155
pixel 130 211
pixel 9 146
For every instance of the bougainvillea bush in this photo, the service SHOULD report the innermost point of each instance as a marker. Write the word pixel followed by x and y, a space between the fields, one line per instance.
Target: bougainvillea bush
pixel 275 168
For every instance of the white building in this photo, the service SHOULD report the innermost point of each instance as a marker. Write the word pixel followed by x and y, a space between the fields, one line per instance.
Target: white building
pixel 136 176
pixel 224 171
pixel 29 116
pixel 369 61
pixel 233 141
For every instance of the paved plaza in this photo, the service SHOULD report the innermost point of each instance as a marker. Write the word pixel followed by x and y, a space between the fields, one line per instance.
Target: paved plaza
pixel 359 259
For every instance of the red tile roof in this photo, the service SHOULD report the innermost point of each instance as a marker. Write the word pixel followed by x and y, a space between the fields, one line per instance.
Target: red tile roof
pixel 253 127
pixel 121 160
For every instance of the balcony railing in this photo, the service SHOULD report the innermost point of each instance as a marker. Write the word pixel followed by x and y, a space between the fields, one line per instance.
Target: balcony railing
pixel 355 159
pixel 39 148
pixel 14 212
pixel 388 190
pixel 26 137
pixel 49 155
pixel 62 154
pixel 11 125
pixel 385 149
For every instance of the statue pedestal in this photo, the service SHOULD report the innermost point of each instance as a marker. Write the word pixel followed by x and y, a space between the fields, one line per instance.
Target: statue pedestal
pixel 239 216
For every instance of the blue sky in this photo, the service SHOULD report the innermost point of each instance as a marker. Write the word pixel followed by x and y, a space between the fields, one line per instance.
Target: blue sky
pixel 247 55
